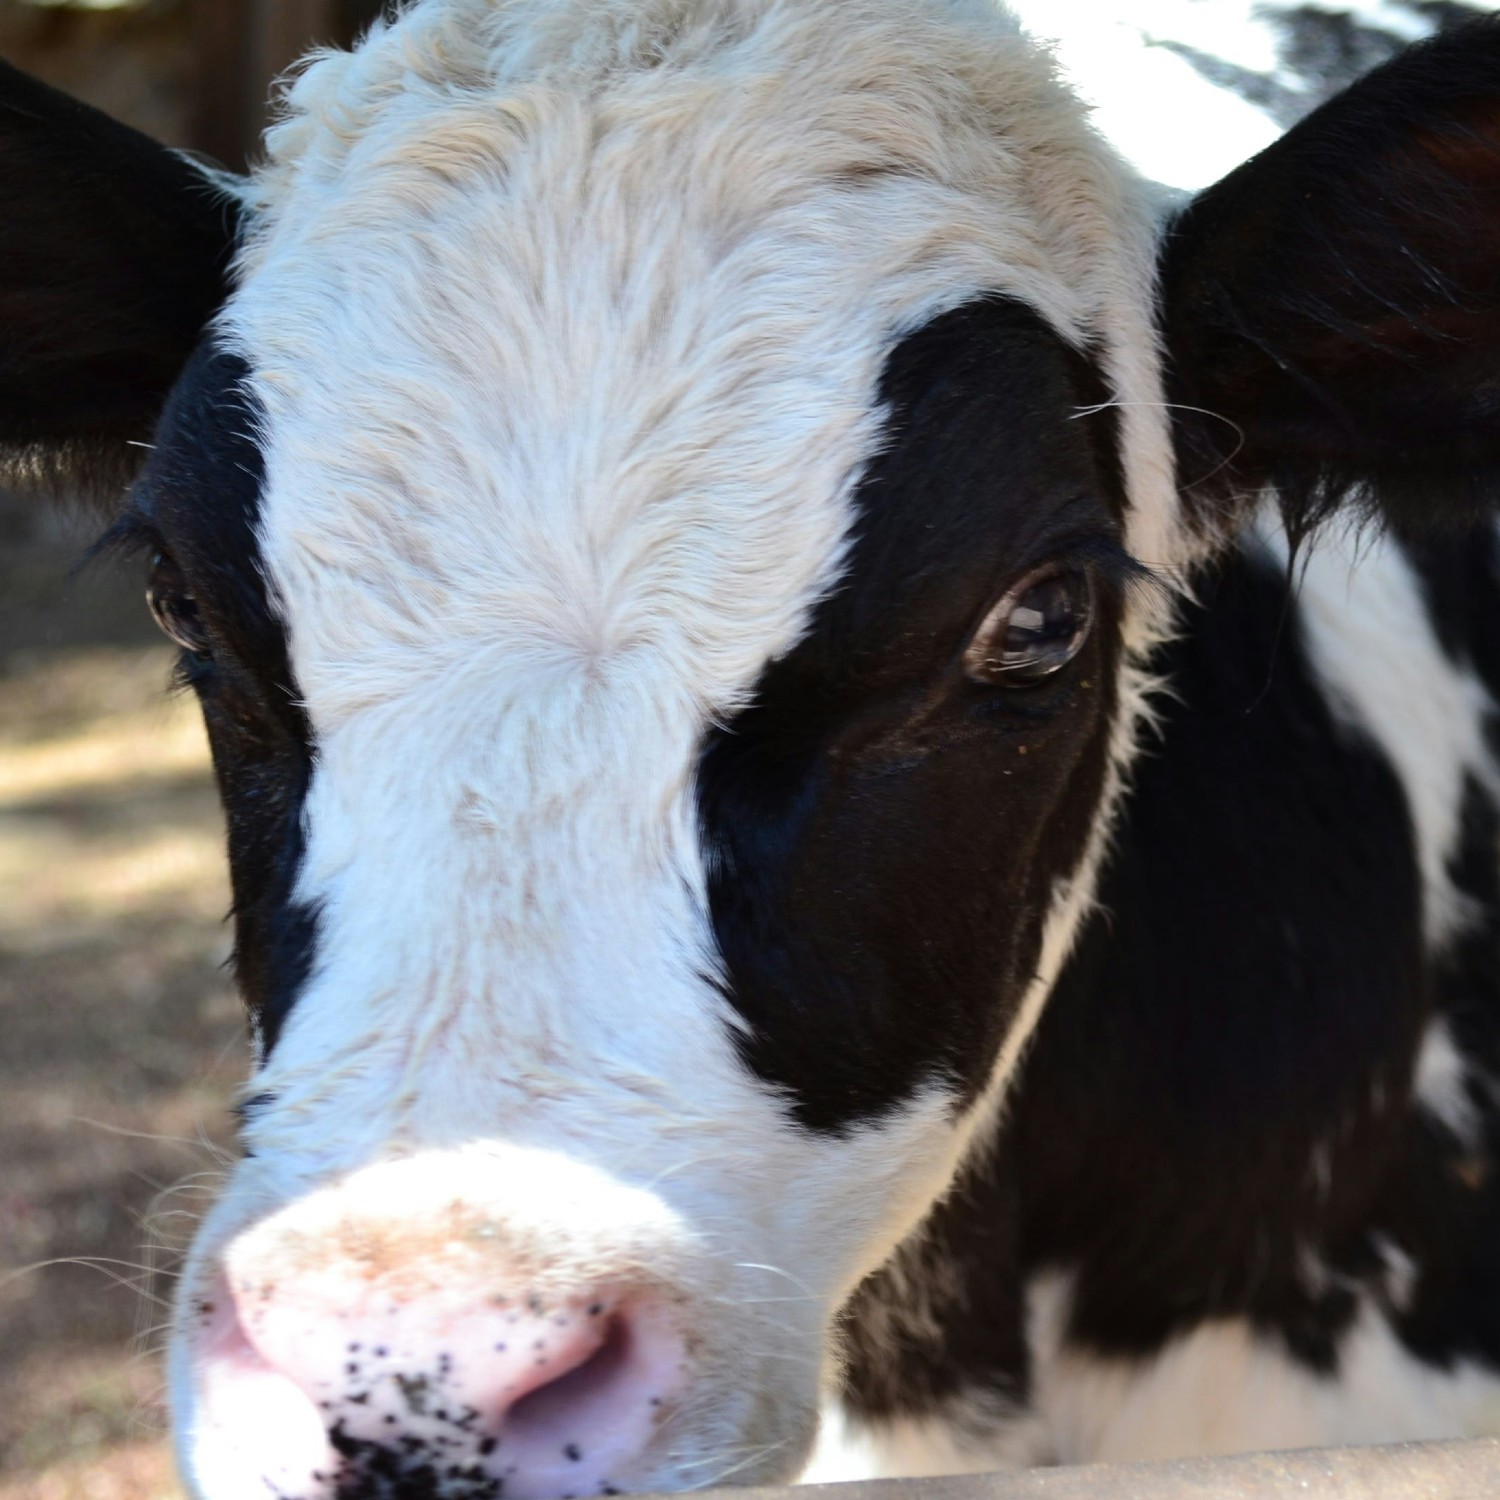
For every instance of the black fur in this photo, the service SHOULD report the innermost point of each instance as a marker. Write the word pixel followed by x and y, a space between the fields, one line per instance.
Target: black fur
pixel 198 500
pixel 114 252
pixel 945 1319
pixel 1253 986
pixel 871 793
pixel 1441 1200
pixel 1337 300
pixel 1216 1119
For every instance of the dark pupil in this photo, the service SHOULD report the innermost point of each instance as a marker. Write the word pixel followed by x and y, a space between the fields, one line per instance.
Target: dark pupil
pixel 1045 626
pixel 173 606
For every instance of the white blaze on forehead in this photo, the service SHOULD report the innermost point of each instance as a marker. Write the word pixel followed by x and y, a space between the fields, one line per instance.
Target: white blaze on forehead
pixel 569 318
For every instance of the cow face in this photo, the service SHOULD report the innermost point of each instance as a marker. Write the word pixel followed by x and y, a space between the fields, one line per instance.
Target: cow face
pixel 655 527
pixel 658 609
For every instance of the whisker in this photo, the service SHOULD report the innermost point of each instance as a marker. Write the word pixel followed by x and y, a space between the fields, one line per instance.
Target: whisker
pixel 802 1286
pixel 1202 411
pixel 99 1263
pixel 746 1461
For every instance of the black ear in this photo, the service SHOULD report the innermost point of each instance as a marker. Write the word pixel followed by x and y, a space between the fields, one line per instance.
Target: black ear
pixel 1337 299
pixel 114 253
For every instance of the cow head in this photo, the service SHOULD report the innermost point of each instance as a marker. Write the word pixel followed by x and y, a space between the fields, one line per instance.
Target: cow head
pixel 661 518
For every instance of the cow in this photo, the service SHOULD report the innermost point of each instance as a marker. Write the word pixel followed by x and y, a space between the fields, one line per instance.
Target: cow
pixel 858 747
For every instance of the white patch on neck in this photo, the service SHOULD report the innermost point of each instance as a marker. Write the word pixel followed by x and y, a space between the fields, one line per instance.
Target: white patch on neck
pixel 1371 643
pixel 1441 1086
pixel 1223 1388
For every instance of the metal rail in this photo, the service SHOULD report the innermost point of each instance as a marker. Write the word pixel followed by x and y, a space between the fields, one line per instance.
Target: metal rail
pixel 1411 1471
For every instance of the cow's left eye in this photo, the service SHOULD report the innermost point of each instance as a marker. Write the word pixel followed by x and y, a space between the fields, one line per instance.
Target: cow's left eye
pixel 173 606
pixel 1037 629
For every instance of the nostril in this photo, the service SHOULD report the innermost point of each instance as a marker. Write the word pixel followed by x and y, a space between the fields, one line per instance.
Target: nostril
pixel 547 1397
pixel 577 1399
pixel 581 1431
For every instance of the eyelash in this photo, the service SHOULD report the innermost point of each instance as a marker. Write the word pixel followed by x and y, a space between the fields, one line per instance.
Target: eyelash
pixel 190 672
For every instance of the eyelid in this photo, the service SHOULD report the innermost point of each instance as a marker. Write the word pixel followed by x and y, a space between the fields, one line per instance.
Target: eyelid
pixel 132 535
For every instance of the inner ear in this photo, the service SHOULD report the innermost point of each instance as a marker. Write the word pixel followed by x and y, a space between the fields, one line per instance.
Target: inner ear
pixel 114 254
pixel 1334 303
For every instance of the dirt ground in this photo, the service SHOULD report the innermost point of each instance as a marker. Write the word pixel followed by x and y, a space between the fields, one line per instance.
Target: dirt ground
pixel 120 1038
pixel 120 1041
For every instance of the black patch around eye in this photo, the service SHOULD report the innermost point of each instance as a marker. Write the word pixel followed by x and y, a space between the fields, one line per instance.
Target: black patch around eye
pixel 201 494
pixel 199 500
pixel 879 915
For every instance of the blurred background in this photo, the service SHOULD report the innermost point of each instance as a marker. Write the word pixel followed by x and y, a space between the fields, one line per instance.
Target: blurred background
pixel 121 1042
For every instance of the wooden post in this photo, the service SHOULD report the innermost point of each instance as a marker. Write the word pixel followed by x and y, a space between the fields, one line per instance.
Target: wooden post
pixel 239 47
pixel 285 29
pixel 221 86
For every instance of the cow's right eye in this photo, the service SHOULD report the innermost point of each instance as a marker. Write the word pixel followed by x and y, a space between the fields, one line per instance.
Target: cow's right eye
pixel 173 606
pixel 1035 631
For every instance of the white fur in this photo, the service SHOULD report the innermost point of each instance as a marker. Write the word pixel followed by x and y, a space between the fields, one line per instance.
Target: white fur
pixel 1371 642
pixel 1441 1086
pixel 567 317
pixel 1223 1388
pixel 1220 1388
pixel 1401 1272
pixel 974 1433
